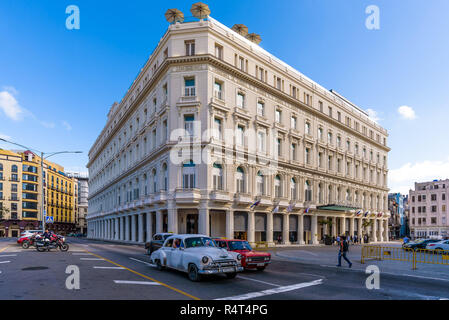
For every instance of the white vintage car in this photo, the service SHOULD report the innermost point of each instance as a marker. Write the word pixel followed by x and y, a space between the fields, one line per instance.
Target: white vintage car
pixel 197 255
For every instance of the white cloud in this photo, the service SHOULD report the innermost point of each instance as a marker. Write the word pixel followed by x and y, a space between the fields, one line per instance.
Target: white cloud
pixel 10 105
pixel 407 112
pixel 67 125
pixel 48 125
pixel 403 179
pixel 373 115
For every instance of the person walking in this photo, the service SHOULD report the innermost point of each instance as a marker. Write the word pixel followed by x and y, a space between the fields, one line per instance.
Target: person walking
pixel 344 249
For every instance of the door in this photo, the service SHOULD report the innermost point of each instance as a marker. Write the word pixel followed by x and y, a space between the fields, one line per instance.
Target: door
pixel 177 253
pixel 192 224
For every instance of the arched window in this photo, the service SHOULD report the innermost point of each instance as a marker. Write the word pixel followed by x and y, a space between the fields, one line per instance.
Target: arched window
pixel 165 177
pixel 217 173
pixel 188 175
pixel 307 191
pixel 329 194
pixel 145 182
pixel 293 190
pixel 154 180
pixel 1 167
pixel 14 168
pixel 240 180
pixel 338 194
pixel 260 183
pixel 348 195
pixel 277 186
pixel 320 193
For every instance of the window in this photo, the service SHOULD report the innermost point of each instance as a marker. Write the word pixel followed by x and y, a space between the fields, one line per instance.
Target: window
pixel 240 135
pixel 279 146
pixel 14 168
pixel 217 173
pixel 261 141
pixel 242 64
pixel 190 47
pixel 217 129
pixel 348 145
pixel 278 83
pixel 240 100
pixel 329 137
pixel 188 124
pixel 218 93
pixel 260 183
pixel 307 128
pixel 339 141
pixel 293 122
pixel 320 159
pixel 278 114
pixel 329 162
pixel 188 175
pixel 320 134
pixel 339 116
pixel 189 87
pixel 277 187
pixel 260 109
pixel 294 152
pixel 293 190
pixel 330 112
pixel 320 103
pixel 219 51
pixel 307 156
pixel 240 180
pixel 307 191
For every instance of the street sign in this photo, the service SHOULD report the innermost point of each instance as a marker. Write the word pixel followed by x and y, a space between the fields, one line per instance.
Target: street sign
pixel 48 219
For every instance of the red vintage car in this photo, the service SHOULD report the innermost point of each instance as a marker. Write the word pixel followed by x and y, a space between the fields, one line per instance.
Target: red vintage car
pixel 250 259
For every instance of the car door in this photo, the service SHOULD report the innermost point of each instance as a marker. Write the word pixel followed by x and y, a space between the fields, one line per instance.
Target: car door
pixel 176 254
pixel 167 252
pixel 445 245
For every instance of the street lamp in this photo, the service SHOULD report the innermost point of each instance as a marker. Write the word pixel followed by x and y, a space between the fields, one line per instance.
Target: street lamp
pixel 49 154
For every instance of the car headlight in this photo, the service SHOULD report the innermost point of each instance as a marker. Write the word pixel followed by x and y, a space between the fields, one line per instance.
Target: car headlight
pixel 205 260
pixel 239 257
pixel 267 258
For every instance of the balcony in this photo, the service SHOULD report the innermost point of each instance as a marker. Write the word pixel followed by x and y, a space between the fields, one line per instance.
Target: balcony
pixel 160 197
pixel 220 196
pixel 243 199
pixel 187 196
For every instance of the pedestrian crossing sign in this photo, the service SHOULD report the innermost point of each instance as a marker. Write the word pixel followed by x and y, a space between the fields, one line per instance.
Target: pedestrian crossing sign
pixel 49 219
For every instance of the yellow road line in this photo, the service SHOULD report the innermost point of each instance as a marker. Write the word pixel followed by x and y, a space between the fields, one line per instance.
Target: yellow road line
pixel 1 250
pixel 144 276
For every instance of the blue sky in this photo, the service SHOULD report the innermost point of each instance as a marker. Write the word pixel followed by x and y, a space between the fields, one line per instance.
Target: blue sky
pixel 56 85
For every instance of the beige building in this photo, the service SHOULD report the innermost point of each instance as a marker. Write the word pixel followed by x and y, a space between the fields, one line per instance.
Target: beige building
pixel 219 137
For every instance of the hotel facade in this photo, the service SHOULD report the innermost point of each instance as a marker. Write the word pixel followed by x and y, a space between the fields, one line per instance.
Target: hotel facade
pixel 219 137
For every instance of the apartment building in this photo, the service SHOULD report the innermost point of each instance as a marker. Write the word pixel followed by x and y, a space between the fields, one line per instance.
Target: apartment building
pixel 428 209
pixel 217 136
pixel 82 181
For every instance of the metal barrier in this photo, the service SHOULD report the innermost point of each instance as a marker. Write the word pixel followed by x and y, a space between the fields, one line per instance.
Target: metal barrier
pixel 405 254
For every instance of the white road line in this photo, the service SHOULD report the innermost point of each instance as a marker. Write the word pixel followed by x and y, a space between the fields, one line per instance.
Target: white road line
pixel 8 255
pixel 5 261
pixel 147 263
pixel 92 259
pixel 137 282
pixel 253 295
pixel 251 279
pixel 114 268
pixel 81 254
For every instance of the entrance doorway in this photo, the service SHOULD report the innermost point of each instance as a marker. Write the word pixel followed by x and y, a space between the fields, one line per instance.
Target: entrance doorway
pixel 192 224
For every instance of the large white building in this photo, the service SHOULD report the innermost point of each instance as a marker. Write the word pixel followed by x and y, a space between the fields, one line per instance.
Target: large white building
pixel 429 204
pixel 213 125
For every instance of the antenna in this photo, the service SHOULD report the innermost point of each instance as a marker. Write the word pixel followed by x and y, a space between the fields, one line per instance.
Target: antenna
pixel 241 29
pixel 200 10
pixel 174 15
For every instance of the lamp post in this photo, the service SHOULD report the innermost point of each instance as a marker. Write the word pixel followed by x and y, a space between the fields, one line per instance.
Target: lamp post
pixel 43 157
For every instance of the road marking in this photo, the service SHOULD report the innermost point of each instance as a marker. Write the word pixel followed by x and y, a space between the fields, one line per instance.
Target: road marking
pixel 8 255
pixel 3 249
pixel 5 261
pixel 137 282
pixel 94 259
pixel 251 279
pixel 115 268
pixel 147 263
pixel 253 295
pixel 146 277
pixel 81 254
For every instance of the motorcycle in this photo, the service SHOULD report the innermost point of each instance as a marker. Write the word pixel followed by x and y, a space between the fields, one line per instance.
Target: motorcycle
pixel 54 242
pixel 31 241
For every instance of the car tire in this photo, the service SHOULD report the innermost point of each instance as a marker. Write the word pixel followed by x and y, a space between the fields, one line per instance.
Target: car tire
pixel 193 273
pixel 261 268
pixel 25 245
pixel 231 275
pixel 159 265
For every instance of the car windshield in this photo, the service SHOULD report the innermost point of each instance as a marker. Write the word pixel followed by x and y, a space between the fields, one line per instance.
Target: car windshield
pixel 199 242
pixel 239 245
pixel 165 236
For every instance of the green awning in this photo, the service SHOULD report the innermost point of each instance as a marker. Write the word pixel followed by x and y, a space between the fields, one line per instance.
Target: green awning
pixel 336 207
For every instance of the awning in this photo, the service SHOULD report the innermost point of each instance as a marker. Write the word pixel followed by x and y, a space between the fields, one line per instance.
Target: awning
pixel 336 207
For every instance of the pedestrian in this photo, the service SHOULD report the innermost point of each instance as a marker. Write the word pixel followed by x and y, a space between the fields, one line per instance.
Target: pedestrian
pixel 338 240
pixel 344 249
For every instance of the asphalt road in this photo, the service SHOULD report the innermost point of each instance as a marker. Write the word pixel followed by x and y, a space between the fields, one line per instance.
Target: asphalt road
pixel 113 271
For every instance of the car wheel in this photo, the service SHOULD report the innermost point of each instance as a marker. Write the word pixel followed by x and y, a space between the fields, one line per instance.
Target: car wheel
pixel 193 273
pixel 261 268
pixel 25 245
pixel 231 275
pixel 159 265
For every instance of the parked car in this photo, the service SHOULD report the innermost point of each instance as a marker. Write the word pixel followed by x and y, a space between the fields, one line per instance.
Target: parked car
pixel 250 259
pixel 157 242
pixel 419 244
pixel 440 245
pixel 197 255
pixel 26 235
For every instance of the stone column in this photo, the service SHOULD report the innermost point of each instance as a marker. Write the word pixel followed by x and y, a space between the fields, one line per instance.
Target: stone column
pixel 229 224
pixel 334 227
pixel 149 226
pixel 270 229
pixel 251 228
pixel 381 230
pixel 158 221
pixel 122 228
pixel 127 235
pixel 324 227
pixel 140 236
pixel 360 230
pixel 374 230
pixel 172 218
pixel 351 227
pixel 342 226
pixel 133 228
pixel 300 229
pixel 203 223
pixel 387 233
pixel 116 236
pixel 314 228
pixel 286 229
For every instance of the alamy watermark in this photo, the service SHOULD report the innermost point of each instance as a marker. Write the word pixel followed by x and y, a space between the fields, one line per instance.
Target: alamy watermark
pixel 73 20
pixel 372 22
pixel 72 282
pixel 373 280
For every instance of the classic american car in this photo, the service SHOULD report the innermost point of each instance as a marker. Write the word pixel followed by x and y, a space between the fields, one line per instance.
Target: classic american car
pixel 197 255
pixel 156 242
pixel 250 259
